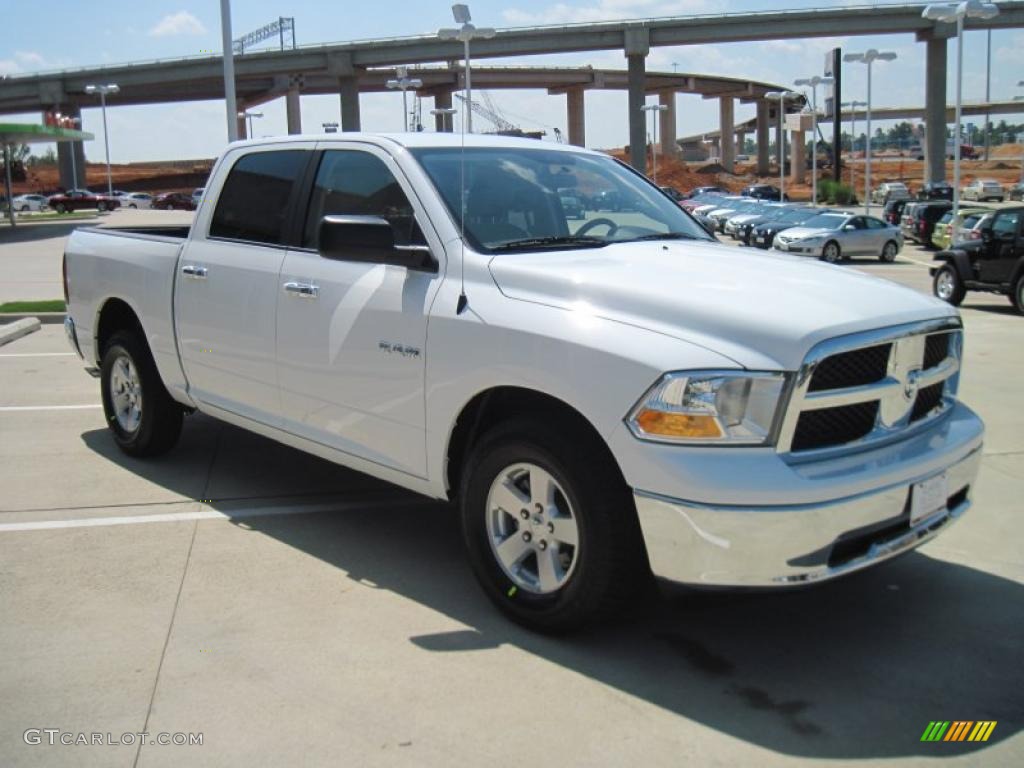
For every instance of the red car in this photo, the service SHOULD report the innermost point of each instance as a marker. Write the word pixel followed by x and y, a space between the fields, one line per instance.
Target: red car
pixel 79 199
pixel 174 201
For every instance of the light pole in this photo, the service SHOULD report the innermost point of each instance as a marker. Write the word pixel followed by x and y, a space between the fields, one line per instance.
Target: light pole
pixel 853 131
pixel 404 82
pixel 974 9
pixel 228 56
pixel 869 57
pixel 103 90
pixel 465 33
pixel 249 117
pixel 656 108
pixel 781 96
pixel 814 82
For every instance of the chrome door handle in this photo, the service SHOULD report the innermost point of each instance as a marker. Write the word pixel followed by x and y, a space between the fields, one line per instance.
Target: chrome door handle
pixel 303 290
pixel 196 273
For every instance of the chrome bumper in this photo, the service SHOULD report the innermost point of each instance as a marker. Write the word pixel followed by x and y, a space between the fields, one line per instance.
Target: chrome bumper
pixel 777 546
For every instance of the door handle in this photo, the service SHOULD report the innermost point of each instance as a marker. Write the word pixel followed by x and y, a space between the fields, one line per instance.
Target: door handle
pixel 302 290
pixel 196 273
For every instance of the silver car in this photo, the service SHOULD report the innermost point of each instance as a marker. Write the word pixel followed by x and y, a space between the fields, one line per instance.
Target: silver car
pixel 983 189
pixel 832 237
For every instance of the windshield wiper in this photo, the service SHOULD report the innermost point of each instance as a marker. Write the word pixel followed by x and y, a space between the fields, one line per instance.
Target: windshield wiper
pixel 577 241
pixel 665 236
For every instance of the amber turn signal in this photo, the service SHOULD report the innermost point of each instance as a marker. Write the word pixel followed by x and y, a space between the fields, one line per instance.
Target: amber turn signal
pixel 678 424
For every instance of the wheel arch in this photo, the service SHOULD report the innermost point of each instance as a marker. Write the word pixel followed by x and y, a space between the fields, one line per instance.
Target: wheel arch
pixel 958 260
pixel 115 314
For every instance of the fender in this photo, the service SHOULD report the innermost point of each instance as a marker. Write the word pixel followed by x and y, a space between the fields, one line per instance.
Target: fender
pixel 958 259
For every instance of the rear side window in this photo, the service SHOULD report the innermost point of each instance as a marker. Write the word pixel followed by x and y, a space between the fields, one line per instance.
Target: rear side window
pixel 253 202
pixel 1005 225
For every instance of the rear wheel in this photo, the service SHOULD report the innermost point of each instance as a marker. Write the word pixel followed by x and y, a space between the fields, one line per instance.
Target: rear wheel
pixel 1017 295
pixel 550 527
pixel 948 286
pixel 142 416
pixel 60 208
pixel 831 252
pixel 101 206
pixel 889 252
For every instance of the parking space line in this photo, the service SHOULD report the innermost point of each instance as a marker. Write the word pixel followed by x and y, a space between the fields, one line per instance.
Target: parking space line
pixel 10 408
pixel 915 261
pixel 206 514
pixel 37 354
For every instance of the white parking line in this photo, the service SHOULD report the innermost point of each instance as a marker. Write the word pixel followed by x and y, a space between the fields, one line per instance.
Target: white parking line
pixel 7 408
pixel 205 514
pixel 37 354
pixel 915 261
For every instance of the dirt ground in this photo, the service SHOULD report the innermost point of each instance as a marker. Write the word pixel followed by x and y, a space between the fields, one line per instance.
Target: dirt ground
pixel 134 177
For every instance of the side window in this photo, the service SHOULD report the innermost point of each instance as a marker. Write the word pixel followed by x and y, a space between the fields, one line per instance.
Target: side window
pixel 254 199
pixel 1004 226
pixel 875 223
pixel 359 183
pixel 858 222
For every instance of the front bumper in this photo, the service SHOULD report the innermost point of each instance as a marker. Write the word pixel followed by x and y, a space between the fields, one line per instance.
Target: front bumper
pixel 753 545
pixel 799 247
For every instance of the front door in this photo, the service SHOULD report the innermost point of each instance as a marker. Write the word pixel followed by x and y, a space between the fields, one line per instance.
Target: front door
pixel 227 285
pixel 351 336
pixel 998 255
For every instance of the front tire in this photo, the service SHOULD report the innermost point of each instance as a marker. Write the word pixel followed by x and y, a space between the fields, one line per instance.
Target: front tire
pixel 889 251
pixel 948 286
pixel 141 415
pixel 60 208
pixel 550 526
pixel 831 252
pixel 1017 295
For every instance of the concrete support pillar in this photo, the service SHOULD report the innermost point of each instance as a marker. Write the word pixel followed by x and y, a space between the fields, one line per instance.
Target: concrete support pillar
pixel 935 110
pixel 780 146
pixel 243 125
pixel 726 120
pixel 292 102
pixel 443 100
pixel 741 141
pixel 576 120
pixel 64 154
pixel 797 158
pixel 762 137
pixel 667 124
pixel 637 44
pixel 348 88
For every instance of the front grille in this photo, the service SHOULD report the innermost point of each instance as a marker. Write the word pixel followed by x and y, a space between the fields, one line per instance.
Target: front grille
pixel 936 348
pixel 927 399
pixel 851 369
pixel 834 426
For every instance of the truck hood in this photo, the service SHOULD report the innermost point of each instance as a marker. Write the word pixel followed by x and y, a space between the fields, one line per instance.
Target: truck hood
pixel 762 310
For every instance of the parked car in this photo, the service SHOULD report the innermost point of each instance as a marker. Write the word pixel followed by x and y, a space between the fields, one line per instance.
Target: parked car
pixel 596 408
pixel 764 192
pixel 572 206
pixel 972 226
pixel 947 228
pixel 732 208
pixel 140 200
pixel 30 202
pixel 177 201
pixel 705 190
pixel 197 195
pixel 890 190
pixel 893 211
pixel 82 199
pixel 994 263
pixel 745 226
pixel 919 220
pixel 833 237
pixel 672 192
pixel 763 235
pixel 735 223
pixel 935 190
pixel 982 190
pixel 1016 192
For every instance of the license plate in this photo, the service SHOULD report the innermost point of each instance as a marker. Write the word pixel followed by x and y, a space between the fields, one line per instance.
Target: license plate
pixel 928 497
pixel 760 238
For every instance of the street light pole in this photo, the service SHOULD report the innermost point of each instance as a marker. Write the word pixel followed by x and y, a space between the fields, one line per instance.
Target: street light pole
pixel 781 96
pixel 228 56
pixel 869 57
pixel 465 33
pixel 957 13
pixel 103 90
pixel 655 108
pixel 404 82
pixel 814 82
pixel 853 132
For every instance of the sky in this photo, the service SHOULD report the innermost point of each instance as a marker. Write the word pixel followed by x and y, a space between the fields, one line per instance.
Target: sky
pixel 76 34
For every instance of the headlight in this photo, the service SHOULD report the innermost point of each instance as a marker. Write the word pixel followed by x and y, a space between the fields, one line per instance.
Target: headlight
pixel 709 406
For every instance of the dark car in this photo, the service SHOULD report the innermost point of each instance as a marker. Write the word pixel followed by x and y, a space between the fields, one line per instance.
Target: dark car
pixel 919 220
pixel 1016 192
pixel 672 192
pixel 706 190
pixel 771 213
pixel 893 211
pixel 764 192
pixel 82 199
pixel 764 234
pixel 935 190
pixel 174 201
pixel 994 263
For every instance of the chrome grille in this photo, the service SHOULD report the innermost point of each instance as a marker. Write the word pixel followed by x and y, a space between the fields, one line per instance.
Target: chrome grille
pixel 859 390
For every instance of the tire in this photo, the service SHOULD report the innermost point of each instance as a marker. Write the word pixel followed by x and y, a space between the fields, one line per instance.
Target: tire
pixel 948 286
pixel 133 206
pixel 129 371
pixel 831 252
pixel 60 208
pixel 591 580
pixel 24 209
pixel 101 207
pixel 1017 294
pixel 889 251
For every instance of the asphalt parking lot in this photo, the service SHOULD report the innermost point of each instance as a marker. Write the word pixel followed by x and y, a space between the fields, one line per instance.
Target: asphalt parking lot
pixel 295 613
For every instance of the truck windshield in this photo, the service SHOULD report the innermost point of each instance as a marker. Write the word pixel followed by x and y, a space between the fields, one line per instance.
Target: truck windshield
pixel 518 199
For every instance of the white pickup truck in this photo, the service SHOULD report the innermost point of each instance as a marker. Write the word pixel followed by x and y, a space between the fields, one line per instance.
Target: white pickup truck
pixel 603 397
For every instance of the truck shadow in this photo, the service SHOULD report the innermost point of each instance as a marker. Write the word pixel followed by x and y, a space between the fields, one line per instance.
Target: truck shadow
pixel 851 669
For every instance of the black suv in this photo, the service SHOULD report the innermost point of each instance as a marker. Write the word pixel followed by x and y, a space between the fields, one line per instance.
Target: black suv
pixel 893 211
pixel 995 263
pixel 764 192
pixel 919 220
pixel 935 190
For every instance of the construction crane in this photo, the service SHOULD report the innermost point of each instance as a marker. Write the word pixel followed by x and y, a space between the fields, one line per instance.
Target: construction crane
pixel 273 29
pixel 503 125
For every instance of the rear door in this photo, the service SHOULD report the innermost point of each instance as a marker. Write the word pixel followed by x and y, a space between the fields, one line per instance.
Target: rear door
pixel 998 255
pixel 227 283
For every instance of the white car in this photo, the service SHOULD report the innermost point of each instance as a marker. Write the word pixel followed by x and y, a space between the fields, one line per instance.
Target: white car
pixel 833 236
pixel 983 189
pixel 31 202
pixel 139 200
pixel 600 400
pixel 890 190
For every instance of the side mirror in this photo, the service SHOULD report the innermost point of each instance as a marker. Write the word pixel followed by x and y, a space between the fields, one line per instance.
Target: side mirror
pixel 848 228
pixel 370 239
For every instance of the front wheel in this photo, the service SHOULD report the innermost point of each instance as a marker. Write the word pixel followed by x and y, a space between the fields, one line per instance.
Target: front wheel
pixel 889 252
pixel 550 527
pixel 101 207
pixel 948 286
pixel 60 208
pixel 1017 296
pixel 142 416
pixel 831 252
